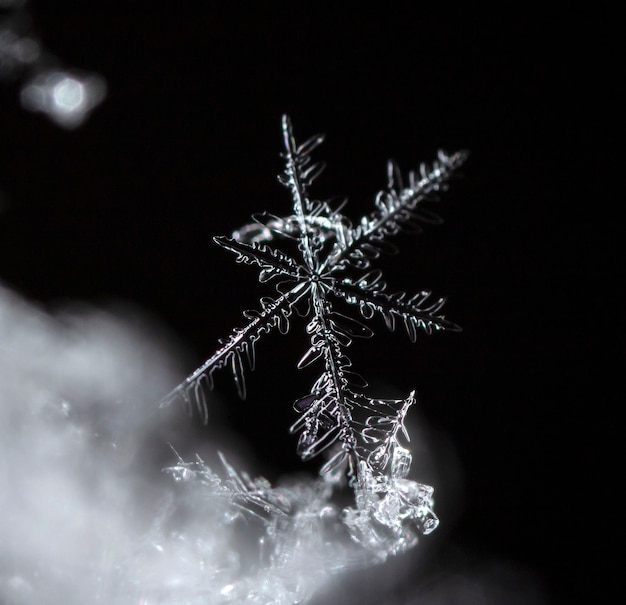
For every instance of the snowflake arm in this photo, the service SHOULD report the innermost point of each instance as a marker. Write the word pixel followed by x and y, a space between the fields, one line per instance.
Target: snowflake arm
pixel 328 417
pixel 299 174
pixel 415 312
pixel 396 207
pixel 271 262
pixel 274 314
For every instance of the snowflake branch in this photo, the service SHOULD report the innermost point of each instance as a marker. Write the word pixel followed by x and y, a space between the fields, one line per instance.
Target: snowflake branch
pixel 271 262
pixel 274 314
pixel 368 238
pixel 298 174
pixel 414 312
pixel 329 411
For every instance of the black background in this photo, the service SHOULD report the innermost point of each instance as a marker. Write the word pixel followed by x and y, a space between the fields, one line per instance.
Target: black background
pixel 186 146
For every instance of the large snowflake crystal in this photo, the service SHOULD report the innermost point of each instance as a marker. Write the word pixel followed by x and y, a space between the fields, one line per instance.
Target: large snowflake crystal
pixel 324 269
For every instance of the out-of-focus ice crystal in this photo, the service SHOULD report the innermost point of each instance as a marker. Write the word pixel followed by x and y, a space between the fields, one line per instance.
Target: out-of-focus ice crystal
pixel 16 52
pixel 65 95
pixel 66 98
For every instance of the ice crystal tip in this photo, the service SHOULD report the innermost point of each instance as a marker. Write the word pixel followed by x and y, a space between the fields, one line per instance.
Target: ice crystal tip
pixel 322 266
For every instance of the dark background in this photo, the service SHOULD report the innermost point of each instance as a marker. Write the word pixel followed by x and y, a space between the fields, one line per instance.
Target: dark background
pixel 186 146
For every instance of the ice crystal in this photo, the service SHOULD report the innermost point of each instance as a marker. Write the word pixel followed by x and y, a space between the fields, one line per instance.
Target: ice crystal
pixel 293 535
pixel 329 270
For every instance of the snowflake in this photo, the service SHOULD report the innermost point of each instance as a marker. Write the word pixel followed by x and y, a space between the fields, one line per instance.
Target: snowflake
pixel 331 267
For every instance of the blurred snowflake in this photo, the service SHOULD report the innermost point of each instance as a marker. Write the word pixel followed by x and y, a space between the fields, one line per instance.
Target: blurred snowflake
pixel 65 95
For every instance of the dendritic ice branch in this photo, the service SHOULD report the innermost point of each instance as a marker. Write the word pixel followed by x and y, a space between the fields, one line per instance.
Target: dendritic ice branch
pixel 323 267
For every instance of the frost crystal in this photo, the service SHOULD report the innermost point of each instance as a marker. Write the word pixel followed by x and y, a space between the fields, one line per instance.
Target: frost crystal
pixel 324 268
